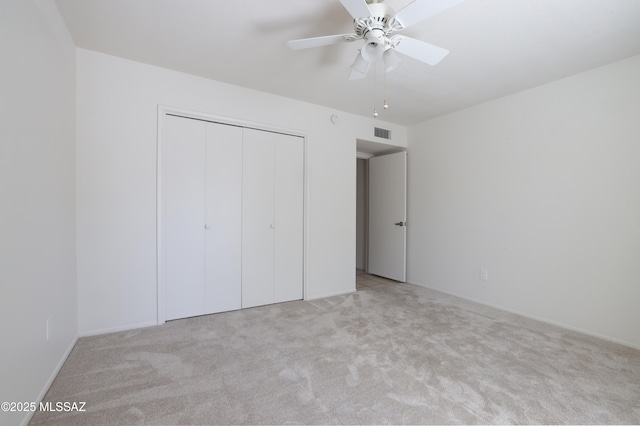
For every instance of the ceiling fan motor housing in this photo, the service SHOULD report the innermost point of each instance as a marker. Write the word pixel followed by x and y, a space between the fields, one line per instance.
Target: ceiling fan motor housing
pixel 380 18
pixel 376 28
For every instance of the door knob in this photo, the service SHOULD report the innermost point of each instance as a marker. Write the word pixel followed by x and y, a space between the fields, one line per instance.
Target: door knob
pixel 401 223
pixel 206 226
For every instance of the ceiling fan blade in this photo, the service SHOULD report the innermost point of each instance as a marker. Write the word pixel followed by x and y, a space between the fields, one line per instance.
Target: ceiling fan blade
pixel 305 43
pixel 425 52
pixel 356 8
pixel 420 10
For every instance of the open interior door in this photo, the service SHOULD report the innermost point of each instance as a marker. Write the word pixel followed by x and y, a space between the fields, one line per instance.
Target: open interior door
pixel 388 216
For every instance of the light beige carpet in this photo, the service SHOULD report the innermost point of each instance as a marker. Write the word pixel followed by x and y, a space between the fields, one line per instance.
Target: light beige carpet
pixel 389 354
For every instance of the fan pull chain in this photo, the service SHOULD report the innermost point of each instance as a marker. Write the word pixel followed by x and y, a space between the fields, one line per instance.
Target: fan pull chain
pixel 385 105
pixel 375 97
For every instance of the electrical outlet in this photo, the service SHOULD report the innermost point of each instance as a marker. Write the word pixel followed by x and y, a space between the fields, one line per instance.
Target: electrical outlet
pixel 484 275
pixel 48 328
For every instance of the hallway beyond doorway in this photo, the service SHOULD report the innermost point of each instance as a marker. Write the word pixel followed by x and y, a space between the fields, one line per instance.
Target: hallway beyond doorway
pixel 365 281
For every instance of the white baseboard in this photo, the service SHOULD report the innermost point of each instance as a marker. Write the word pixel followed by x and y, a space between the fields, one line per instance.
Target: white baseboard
pixel 116 329
pixel 52 377
pixel 336 293
pixel 537 318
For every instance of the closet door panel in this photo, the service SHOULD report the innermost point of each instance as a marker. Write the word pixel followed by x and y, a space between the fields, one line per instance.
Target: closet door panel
pixel 289 189
pixel 183 217
pixel 257 217
pixel 223 218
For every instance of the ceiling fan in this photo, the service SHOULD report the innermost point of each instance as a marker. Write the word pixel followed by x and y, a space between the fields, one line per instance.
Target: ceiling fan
pixel 376 23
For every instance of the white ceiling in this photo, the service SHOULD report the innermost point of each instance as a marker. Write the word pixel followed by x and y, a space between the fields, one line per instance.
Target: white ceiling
pixel 497 47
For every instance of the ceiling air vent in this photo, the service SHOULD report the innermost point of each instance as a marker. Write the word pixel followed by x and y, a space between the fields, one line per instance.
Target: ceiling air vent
pixel 382 133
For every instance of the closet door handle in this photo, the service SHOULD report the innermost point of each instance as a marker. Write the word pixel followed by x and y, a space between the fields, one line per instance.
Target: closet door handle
pixel 206 226
pixel 401 223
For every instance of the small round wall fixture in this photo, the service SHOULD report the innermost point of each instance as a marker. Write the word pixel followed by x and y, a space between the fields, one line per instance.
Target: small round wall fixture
pixel 335 119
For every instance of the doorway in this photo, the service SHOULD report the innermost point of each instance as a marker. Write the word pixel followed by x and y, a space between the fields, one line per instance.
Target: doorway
pixel 362 210
pixel 366 151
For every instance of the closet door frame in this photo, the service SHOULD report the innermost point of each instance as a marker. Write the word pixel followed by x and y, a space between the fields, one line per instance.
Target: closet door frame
pixel 163 112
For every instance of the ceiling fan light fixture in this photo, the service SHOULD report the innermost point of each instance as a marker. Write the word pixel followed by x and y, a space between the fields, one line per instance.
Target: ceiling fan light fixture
pixel 355 75
pixel 374 45
pixel 360 66
pixel 371 52
pixel 391 60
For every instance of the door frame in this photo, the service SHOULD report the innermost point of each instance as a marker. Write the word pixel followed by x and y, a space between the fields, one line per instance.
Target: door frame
pixel 365 214
pixel 367 154
pixel 163 111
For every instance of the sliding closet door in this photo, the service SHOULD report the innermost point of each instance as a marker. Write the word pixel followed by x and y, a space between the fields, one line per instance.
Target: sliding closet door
pixel 202 217
pixel 223 218
pixel 289 189
pixel 258 221
pixel 183 217
pixel 232 217
pixel 272 218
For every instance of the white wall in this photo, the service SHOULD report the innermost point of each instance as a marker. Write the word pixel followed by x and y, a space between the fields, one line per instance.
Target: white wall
pixel 117 103
pixel 542 188
pixel 37 199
